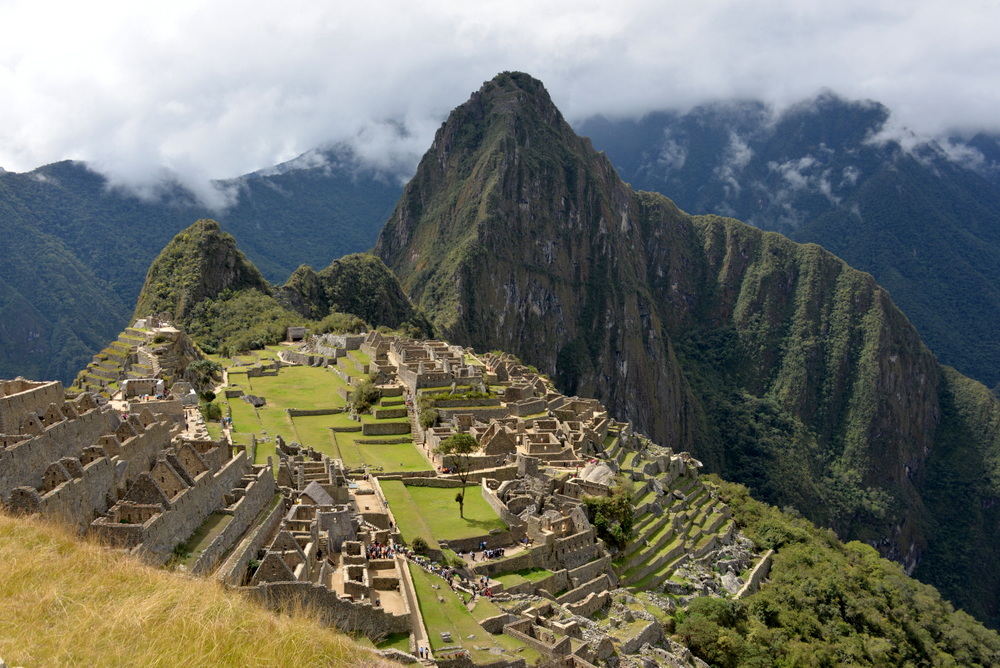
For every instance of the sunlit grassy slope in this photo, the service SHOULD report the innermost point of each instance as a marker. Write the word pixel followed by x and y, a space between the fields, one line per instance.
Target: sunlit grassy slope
pixel 72 603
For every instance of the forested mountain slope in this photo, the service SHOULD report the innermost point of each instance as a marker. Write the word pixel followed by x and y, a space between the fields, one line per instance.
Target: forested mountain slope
pixel 922 216
pixel 776 363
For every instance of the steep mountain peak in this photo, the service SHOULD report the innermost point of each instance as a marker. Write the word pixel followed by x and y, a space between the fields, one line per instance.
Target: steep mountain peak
pixel 504 167
pixel 201 261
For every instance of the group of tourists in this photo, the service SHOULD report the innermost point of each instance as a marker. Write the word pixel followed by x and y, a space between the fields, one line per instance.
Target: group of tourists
pixel 378 550
pixel 486 554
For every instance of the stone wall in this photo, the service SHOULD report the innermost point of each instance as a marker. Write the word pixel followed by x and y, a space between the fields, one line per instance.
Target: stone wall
pixel 295 412
pixel 140 451
pixel 231 572
pixel 527 407
pixel 559 647
pixel 591 570
pixel 652 634
pixel 389 413
pixel 186 513
pixel 576 550
pixel 385 428
pixel 502 539
pixel 591 604
pixel 757 575
pixel 20 397
pixel 496 624
pixel 259 493
pixel 481 414
pixel 466 403
pixel 431 482
pixel 346 615
pixel 601 583
pixel 81 499
pixel 24 463
pixel 499 507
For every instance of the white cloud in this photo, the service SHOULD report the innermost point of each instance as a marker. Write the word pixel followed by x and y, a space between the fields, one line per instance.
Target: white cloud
pixel 215 89
pixel 736 156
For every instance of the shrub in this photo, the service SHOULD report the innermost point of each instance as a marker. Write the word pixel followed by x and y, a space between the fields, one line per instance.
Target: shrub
pixel 211 411
pixel 419 545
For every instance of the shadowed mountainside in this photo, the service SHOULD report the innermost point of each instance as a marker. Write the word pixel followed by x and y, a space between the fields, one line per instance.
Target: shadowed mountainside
pixel 774 362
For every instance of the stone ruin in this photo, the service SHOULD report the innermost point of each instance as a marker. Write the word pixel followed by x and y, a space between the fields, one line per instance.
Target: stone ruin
pixel 131 478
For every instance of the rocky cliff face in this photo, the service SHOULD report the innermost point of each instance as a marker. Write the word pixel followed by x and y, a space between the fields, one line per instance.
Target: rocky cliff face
pixel 775 362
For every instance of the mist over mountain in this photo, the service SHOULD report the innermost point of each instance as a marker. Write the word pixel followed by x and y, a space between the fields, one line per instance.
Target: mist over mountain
pixel 921 215
pixel 77 251
pixel 777 364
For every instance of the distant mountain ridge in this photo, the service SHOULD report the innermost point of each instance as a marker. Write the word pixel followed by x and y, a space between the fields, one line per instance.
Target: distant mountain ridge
pixel 924 219
pixel 775 363
pixel 76 252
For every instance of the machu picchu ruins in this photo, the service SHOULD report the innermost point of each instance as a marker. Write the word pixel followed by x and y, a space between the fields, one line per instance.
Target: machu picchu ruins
pixel 322 517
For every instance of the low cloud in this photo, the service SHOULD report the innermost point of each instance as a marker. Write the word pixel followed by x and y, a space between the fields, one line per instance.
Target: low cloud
pixel 199 91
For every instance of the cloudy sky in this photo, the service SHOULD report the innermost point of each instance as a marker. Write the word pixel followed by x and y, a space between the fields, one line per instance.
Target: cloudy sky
pixel 217 89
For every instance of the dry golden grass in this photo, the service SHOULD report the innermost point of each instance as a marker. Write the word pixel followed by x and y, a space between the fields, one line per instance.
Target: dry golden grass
pixel 68 602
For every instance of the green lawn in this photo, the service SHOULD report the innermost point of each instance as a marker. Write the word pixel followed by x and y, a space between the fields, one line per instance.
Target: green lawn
pixel 452 616
pixel 435 508
pixel 400 641
pixel 390 456
pixel 314 431
pixel 304 387
pixel 521 576
pixel 359 357
pixel 409 519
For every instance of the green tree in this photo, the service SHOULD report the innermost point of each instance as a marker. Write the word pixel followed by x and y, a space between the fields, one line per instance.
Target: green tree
pixel 460 446
pixel 364 395
pixel 613 515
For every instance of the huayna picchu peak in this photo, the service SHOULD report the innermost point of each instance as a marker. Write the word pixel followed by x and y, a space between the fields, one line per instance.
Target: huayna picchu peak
pixel 775 363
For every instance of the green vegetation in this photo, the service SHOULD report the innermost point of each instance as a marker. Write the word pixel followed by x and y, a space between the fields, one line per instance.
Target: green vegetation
pixel 613 516
pixel 828 603
pixel 521 576
pixel 458 448
pixel 774 363
pixel 427 512
pixel 364 395
pixel 453 617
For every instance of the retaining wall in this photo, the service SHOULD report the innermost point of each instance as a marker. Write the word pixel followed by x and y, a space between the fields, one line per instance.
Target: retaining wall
pixel 389 413
pixel 385 429
pixel 259 493
pixel 757 575
pixel 346 615
pixel 295 412
pixel 596 586
pixel 482 414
